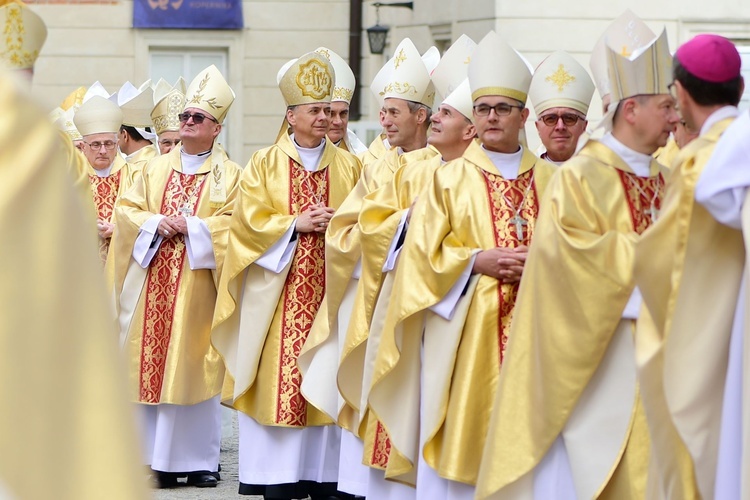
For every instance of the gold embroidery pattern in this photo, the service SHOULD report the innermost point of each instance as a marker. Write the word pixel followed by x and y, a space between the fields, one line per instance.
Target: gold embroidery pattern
pixel 169 121
pixel 314 80
pixel 381 448
pixel 105 191
pixel 560 78
pixel 499 188
pixel 405 88
pixel 342 93
pixel 198 96
pixel 14 31
pixel 303 293
pixel 401 57
pixel 162 285
pixel 638 205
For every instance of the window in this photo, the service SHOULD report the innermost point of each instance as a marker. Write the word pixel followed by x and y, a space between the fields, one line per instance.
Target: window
pixel 172 64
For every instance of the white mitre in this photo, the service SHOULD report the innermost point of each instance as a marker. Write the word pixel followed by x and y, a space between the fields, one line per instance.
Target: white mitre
pixel 453 66
pixel 561 82
pixel 625 34
pixel 408 77
pixel 647 71
pixel 345 83
pixel 497 69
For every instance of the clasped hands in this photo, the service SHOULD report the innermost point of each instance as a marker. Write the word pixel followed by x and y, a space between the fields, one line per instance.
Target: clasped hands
pixel 104 228
pixel 314 219
pixel 504 264
pixel 170 227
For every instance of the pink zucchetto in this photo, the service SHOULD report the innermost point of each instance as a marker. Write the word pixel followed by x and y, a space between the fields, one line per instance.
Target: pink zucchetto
pixel 711 58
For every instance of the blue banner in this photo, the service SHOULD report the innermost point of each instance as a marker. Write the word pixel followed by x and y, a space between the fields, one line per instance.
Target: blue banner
pixel 188 14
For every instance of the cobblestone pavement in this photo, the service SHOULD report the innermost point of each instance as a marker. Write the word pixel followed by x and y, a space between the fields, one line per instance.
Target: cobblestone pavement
pixel 229 483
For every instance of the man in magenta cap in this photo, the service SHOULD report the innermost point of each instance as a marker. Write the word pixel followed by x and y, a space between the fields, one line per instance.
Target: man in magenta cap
pixel 689 268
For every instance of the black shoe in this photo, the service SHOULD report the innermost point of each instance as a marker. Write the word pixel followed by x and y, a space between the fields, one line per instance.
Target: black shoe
pixel 202 480
pixel 166 480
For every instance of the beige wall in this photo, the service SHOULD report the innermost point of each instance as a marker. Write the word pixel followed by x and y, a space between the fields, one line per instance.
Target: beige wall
pixel 91 41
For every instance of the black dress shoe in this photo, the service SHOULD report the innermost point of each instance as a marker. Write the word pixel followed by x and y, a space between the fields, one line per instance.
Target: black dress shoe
pixel 202 480
pixel 166 480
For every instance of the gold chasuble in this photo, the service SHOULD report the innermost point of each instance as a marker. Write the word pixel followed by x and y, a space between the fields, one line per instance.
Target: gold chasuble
pixel 568 322
pixel 106 191
pixel 468 207
pixel 166 310
pixel 141 157
pixel 320 355
pixel 262 318
pixel 66 430
pixel 378 220
pixel 78 166
pixel 375 152
pixel 682 342
pixel 668 153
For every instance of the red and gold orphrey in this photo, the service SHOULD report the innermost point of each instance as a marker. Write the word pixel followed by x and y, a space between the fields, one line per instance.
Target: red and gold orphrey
pixel 498 189
pixel 105 191
pixel 639 205
pixel 162 286
pixel 302 295
pixel 381 448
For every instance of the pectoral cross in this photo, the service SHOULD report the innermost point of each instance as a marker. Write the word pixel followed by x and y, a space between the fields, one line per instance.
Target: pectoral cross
pixel 652 212
pixel 519 222
pixel 186 210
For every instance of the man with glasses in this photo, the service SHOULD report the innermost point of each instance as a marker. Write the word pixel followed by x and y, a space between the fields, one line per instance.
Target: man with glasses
pixel 561 91
pixel 98 120
pixel 168 104
pixel 690 355
pixel 567 421
pixel 172 230
pixel 459 271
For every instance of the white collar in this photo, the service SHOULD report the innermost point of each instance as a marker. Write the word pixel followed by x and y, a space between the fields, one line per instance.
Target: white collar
pixel 640 163
pixel 544 156
pixel 105 171
pixel 717 116
pixel 191 163
pixel 508 164
pixel 310 157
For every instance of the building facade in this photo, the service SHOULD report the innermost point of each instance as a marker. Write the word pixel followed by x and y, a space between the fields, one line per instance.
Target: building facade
pixel 93 40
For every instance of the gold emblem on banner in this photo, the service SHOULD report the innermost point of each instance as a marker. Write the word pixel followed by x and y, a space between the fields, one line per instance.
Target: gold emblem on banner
pixel 165 4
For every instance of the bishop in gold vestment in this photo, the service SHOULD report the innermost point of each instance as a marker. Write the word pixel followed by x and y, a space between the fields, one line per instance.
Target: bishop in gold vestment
pixel 567 418
pixel 406 123
pixel 689 270
pixel 66 431
pixel 272 286
pixel 171 236
pixel 671 262
pixel 437 253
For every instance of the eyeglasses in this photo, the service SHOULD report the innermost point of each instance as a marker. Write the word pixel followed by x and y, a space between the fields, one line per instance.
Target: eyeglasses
pixel 568 119
pixel 502 109
pixel 197 118
pixel 96 146
pixel 167 142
